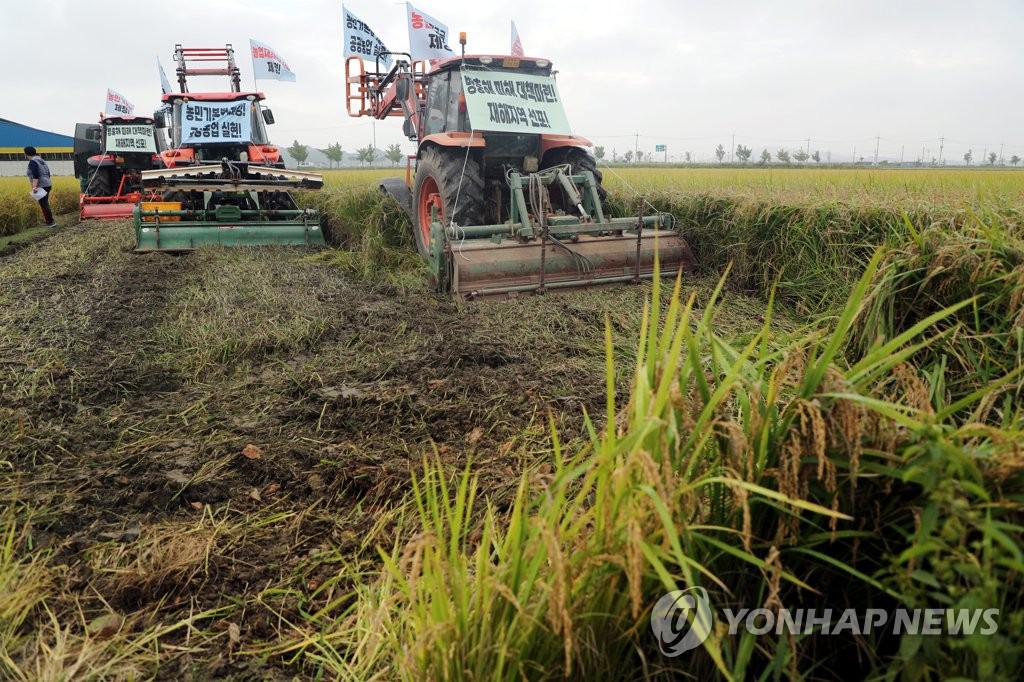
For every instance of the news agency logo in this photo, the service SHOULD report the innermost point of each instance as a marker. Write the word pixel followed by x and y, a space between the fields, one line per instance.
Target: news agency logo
pixel 681 620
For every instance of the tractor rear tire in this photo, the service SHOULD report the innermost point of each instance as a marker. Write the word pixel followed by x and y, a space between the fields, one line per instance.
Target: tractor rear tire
pixel 578 160
pixel 439 173
pixel 102 183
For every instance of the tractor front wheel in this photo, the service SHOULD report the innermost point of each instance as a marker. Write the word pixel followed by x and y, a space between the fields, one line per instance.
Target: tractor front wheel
pixel 452 182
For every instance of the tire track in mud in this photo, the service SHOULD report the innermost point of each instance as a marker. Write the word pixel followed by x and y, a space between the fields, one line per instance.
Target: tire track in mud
pixel 114 357
pixel 79 304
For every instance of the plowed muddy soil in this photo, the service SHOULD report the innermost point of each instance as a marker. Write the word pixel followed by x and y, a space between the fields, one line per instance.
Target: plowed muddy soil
pixel 185 433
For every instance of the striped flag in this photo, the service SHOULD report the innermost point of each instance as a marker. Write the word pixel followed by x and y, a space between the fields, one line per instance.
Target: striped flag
pixel 517 45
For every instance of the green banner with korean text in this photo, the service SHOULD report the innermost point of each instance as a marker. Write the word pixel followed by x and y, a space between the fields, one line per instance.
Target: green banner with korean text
pixel 130 138
pixel 509 102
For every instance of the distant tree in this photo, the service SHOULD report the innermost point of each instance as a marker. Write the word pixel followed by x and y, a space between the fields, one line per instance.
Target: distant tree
pixel 628 156
pixel 366 154
pixel 1014 160
pixel 615 156
pixel 639 155
pixel 968 156
pixel 782 155
pixel 299 152
pixel 720 153
pixel 766 158
pixel 991 158
pixel 334 153
pixel 688 156
pixel 393 154
pixel 801 155
pixel 599 153
pixel 743 153
pixel 816 156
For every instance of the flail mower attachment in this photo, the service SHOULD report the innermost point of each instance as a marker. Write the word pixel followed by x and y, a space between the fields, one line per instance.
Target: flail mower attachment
pixel 541 250
pixel 231 204
pixel 119 207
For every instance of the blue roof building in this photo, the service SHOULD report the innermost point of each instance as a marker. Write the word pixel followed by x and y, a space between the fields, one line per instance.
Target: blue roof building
pixel 14 137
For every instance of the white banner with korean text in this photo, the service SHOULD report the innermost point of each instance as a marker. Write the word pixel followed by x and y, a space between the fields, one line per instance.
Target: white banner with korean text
pixel 215 122
pixel 361 41
pixel 268 64
pixel 117 104
pixel 428 38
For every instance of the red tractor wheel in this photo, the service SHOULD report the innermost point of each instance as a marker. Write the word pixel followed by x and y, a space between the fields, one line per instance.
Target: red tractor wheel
pixel 441 182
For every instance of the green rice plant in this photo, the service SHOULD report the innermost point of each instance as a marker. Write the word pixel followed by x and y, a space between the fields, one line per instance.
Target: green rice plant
pixel 984 342
pixel 771 478
pixel 371 233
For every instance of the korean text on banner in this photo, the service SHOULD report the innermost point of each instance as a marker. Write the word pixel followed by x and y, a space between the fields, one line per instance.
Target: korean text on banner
pixel 361 41
pixel 514 103
pixel 117 104
pixel 205 122
pixel 517 45
pixel 428 38
pixel 130 139
pixel 268 64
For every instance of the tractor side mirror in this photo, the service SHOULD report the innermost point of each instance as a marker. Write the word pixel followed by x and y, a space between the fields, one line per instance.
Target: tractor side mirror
pixel 160 118
pixel 402 88
pixel 268 117
pixel 408 129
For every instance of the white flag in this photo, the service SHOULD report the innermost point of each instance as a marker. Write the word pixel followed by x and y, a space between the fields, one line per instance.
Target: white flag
pixel 361 41
pixel 267 63
pixel 165 85
pixel 517 45
pixel 428 38
pixel 117 104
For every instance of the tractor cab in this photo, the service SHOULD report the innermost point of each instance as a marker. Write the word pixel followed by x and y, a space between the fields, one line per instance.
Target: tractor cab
pixel 210 127
pixel 446 106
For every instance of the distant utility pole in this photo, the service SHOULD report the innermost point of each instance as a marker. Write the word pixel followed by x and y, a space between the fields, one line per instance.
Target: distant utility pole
pixel 942 141
pixel 636 144
pixel 732 151
pixel 808 147
pixel 855 155
pixel 901 154
pixel 1001 153
pixel 877 139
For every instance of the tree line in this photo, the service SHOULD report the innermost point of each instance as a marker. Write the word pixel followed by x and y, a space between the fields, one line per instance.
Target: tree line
pixel 334 153
pixel 743 154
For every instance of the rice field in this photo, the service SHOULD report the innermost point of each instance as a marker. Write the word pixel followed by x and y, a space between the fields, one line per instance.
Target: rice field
pixel 281 464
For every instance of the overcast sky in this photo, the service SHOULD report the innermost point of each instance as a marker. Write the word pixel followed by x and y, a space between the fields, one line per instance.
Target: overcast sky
pixel 634 73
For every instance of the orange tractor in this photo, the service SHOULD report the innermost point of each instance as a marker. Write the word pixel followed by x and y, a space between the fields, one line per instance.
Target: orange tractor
pixel 505 199
pixel 109 160
pixel 221 180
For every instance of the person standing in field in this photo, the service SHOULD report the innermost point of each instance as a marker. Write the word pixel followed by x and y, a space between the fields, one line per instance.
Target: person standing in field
pixel 39 175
